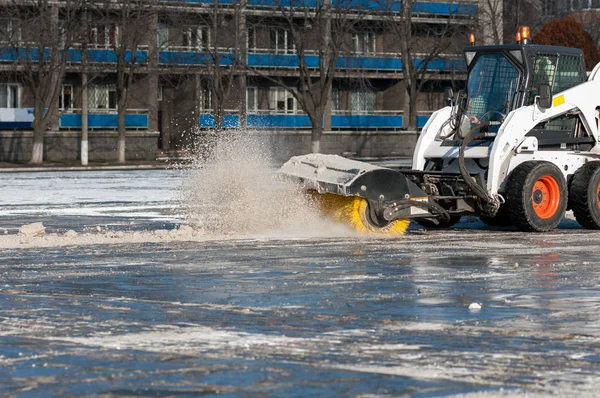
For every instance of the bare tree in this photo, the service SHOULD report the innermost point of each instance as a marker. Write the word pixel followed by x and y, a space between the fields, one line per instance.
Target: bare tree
pixel 316 36
pixel 42 33
pixel 221 60
pixel 428 51
pixel 127 26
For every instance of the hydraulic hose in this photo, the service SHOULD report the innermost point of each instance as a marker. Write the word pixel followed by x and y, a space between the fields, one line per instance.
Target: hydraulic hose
pixel 491 204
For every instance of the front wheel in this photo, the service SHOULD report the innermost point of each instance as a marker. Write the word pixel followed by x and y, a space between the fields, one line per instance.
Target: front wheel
pixel 536 196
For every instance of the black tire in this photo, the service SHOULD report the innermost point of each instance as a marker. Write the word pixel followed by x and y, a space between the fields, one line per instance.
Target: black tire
pixel 541 209
pixel 585 195
pixel 501 219
pixel 431 224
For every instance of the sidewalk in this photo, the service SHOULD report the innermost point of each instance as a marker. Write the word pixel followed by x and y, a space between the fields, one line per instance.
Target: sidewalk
pixel 92 166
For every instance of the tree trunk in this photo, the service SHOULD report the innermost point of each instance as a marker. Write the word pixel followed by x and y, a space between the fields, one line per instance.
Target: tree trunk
pixel 315 137
pixel 121 128
pixel 37 155
pixel 84 120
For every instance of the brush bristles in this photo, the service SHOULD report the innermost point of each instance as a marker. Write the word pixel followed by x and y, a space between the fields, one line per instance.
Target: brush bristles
pixel 352 210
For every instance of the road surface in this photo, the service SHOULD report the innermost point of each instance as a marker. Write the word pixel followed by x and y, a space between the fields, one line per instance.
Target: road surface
pixel 131 305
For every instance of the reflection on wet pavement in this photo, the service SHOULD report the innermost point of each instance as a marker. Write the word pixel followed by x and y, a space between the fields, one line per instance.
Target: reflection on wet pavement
pixel 324 317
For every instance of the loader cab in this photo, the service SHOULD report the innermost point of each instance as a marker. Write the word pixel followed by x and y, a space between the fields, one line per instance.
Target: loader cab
pixel 502 78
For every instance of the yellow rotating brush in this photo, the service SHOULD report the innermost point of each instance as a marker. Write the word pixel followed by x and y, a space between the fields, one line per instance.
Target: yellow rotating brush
pixel 354 210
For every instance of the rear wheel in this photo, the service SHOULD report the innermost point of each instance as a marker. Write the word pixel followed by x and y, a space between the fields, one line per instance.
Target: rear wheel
pixel 585 195
pixel 430 223
pixel 355 211
pixel 536 196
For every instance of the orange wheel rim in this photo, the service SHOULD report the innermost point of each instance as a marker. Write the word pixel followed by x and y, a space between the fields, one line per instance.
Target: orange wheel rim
pixel 598 195
pixel 545 196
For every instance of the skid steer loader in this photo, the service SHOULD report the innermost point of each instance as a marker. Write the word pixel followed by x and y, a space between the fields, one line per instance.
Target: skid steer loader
pixel 518 146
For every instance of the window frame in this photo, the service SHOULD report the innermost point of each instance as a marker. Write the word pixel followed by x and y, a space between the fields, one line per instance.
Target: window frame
pixel 252 91
pixel 11 90
pixel 108 89
pixel 62 98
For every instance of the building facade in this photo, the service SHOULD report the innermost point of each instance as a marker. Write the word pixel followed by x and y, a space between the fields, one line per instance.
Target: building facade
pixel 187 67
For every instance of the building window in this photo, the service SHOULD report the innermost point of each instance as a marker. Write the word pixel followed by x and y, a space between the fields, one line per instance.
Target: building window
pixel 335 99
pixel 252 99
pixel 282 41
pixel 9 96
pixel 102 97
pixel 162 37
pixel 251 44
pixel 9 30
pixel 206 100
pixel 65 100
pixel 281 100
pixel 196 38
pixel 363 100
pixel 585 4
pixel 363 43
pixel 104 36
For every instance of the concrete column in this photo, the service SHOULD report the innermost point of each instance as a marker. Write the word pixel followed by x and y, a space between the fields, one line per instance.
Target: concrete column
pixel 327 110
pixel 242 37
pixel 84 119
pixel 195 120
pixel 490 20
pixel 167 115
pixel 405 100
pixel 153 73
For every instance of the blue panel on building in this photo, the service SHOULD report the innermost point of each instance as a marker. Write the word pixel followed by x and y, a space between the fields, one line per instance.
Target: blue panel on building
pixel 229 121
pixel 284 3
pixel 281 121
pixel 108 121
pixel 369 63
pixel 439 64
pixel 366 121
pixel 422 120
pixel 73 55
pixel 444 8
pixel 194 58
pixel 15 125
pixel 281 60
pixel 395 6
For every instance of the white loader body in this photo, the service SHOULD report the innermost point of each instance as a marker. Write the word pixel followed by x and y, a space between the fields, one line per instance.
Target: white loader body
pixel 511 146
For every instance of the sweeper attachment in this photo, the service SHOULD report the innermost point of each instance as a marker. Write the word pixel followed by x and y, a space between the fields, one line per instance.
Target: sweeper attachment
pixel 380 200
pixel 505 149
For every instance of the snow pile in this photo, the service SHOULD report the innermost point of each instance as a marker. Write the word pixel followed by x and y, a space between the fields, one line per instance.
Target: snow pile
pixel 95 236
pixel 233 191
pixel 34 229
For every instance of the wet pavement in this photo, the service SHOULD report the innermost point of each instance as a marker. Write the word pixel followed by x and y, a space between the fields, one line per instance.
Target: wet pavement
pixel 336 316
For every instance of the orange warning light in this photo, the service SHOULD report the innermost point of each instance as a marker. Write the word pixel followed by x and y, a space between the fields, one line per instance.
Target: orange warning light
pixel 525 33
pixel 472 39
